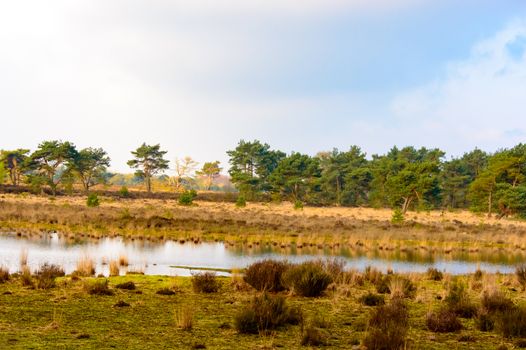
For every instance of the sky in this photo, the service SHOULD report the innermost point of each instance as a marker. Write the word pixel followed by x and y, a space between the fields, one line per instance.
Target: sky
pixel 197 76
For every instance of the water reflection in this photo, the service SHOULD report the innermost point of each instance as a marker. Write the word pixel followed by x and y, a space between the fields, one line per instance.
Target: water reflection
pixel 156 258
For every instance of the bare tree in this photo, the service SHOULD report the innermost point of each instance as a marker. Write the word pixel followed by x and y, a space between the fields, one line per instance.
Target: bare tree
pixel 184 169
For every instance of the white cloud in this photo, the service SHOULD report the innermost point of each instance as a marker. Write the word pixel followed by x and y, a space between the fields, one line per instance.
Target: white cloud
pixel 479 103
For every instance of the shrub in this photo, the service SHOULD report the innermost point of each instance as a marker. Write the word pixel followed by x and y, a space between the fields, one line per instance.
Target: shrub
pixel 4 274
pixel 458 301
pixel 313 336
pixel 98 287
pixel 512 323
pixel 443 321
pixel 397 286
pixel 298 205
pixel 93 200
pixel 398 217
pixel 495 301
pixel 520 272
pixel 126 285
pixel 46 275
pixel 388 327
pixel 371 299
pixel 308 279
pixel 187 197
pixel 205 282
pixel 266 275
pixel 265 312
pixel 165 291
pixel 434 274
pixel 123 192
pixel 485 321
pixel 241 202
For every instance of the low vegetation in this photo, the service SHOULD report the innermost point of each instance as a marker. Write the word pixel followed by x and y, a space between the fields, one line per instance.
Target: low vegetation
pixel 153 310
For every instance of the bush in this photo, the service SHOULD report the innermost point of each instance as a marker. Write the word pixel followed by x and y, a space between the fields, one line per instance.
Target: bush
pixel 241 202
pixel 398 217
pixel 443 321
pixel 165 291
pixel 308 279
pixel 123 192
pixel 520 272
pixel 93 200
pixel 187 197
pixel 485 321
pixel 4 275
pixel 266 275
pixel 434 274
pixel 46 275
pixel 265 312
pixel 397 286
pixel 494 301
pixel 126 285
pixel 458 301
pixel 313 336
pixel 512 323
pixel 388 327
pixel 205 282
pixel 98 287
pixel 371 299
pixel 298 205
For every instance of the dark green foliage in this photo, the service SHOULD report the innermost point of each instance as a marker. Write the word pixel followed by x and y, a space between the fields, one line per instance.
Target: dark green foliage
pixel 123 192
pixel 266 275
pixel 241 202
pixel 388 326
pixel 264 313
pixel 93 200
pixel 187 197
pixel 443 321
pixel 251 164
pixel 98 287
pixel 149 160
pixel 4 275
pixel 90 165
pixel 308 279
pixel 371 299
pixel 434 274
pixel 126 285
pixel 205 282
pixel 398 216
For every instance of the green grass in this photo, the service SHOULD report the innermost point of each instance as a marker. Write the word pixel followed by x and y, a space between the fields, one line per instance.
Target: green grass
pixel 66 317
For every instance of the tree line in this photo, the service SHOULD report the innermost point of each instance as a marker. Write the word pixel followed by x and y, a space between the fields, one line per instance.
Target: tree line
pixel 404 178
pixel 59 164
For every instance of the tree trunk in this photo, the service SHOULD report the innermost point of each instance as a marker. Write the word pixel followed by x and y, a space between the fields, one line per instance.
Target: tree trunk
pixel 338 191
pixel 490 204
pixel 407 202
pixel 148 184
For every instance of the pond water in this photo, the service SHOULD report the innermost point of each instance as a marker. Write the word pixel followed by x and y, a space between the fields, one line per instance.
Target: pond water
pixel 158 258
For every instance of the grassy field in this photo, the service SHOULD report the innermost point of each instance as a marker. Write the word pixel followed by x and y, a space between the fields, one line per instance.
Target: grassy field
pixel 260 223
pixel 67 317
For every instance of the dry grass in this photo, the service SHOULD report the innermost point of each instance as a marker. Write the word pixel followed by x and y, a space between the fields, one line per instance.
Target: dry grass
pixel 184 318
pixel 23 258
pixel 123 260
pixel 85 266
pixel 114 268
pixel 277 224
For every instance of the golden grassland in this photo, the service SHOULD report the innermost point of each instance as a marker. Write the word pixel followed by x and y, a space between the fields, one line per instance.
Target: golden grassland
pixel 260 223
pixel 66 316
